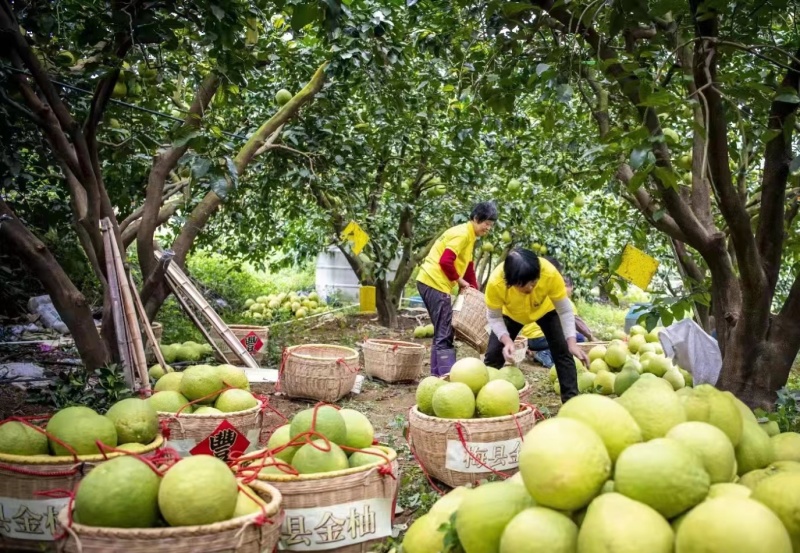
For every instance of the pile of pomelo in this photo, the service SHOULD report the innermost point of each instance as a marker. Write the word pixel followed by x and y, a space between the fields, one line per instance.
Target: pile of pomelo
pixel 129 424
pixel 187 351
pixel 614 368
pixel 216 389
pixel 127 492
pixel 321 439
pixel 265 308
pixel 424 331
pixel 655 470
pixel 473 390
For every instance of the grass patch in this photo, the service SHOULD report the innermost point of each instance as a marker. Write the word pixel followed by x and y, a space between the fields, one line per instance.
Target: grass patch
pixel 603 319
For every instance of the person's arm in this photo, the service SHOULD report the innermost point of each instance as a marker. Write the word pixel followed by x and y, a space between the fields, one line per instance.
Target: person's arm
pixel 498 327
pixel 469 275
pixel 448 264
pixel 567 318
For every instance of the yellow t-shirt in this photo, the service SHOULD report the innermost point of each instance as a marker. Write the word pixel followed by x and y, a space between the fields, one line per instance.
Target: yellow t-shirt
pixel 526 308
pixel 531 331
pixel 461 240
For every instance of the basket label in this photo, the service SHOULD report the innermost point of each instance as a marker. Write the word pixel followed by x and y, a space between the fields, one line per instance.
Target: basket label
pixel 458 305
pixel 357 385
pixel 252 343
pixel 497 455
pixel 30 519
pixel 184 447
pixel 322 528
pixel 223 443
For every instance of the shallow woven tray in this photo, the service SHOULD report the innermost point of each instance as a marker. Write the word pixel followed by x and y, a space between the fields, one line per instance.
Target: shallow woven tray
pixel 318 371
pixel 469 319
pixel 392 360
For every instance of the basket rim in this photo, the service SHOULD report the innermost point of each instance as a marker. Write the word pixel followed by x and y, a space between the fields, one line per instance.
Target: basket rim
pixel 390 453
pixel 522 411
pixel 272 508
pixel 399 343
pixel 205 416
pixel 247 327
pixel 352 354
pixel 70 460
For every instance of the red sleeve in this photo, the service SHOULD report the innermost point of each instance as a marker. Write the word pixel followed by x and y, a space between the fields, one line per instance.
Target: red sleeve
pixel 448 264
pixel 469 275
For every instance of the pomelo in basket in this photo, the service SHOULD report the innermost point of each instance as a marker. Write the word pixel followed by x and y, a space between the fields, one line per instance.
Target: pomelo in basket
pixel 319 456
pixel 454 400
pixel 201 381
pixel 514 375
pixel 711 445
pixel 483 515
pixel 425 390
pixel 170 402
pixel 754 450
pixel 540 529
pixel 786 446
pixel 81 432
pixel 612 422
pixel 329 423
pixel 360 432
pixel 280 437
pixel 17 438
pixel 198 490
pixel 207 410
pixel 364 457
pixel 615 523
pixel 247 502
pixel 169 382
pixel 133 447
pixel 120 493
pixel 233 376
pixel 470 371
pixel 497 399
pixel 781 493
pixel 233 400
pixel 135 421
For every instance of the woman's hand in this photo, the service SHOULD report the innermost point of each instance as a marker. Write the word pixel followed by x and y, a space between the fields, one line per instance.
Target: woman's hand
pixel 577 351
pixel 462 284
pixel 508 348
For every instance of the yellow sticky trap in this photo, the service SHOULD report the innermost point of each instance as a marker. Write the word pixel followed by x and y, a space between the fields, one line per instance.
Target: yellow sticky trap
pixel 637 267
pixel 356 235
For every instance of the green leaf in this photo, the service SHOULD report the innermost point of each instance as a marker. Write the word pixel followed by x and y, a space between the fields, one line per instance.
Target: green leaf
pixel 218 12
pixel 638 179
pixel 541 68
pixel 638 157
pixel 184 137
pixel 789 98
pixel 564 93
pixel 667 177
pixel 769 135
pixel 305 14
pixel 200 167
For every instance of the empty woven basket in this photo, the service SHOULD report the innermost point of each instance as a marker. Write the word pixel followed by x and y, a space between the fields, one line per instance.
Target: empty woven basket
pixel 318 371
pixel 469 319
pixel 393 361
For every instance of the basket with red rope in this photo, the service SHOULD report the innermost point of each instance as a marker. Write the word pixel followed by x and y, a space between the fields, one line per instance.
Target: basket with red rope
pixel 392 360
pixel 318 371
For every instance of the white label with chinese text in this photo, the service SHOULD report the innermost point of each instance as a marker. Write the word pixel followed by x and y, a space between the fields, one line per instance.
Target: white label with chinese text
pixel 321 528
pixel 358 383
pixel 30 519
pixel 496 455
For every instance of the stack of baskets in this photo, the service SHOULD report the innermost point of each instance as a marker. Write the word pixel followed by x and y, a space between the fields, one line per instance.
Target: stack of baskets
pixel 469 319
pixel 318 371
pixel 393 361
pixel 253 338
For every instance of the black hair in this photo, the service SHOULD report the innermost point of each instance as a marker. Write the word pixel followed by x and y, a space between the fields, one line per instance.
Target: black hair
pixel 568 281
pixel 555 264
pixel 484 211
pixel 521 267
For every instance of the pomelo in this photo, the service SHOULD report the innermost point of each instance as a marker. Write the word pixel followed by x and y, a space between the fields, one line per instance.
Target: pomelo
pixel 586 381
pixel 564 463
pixel 747 413
pixel 233 400
pixel 754 450
pixel 732 525
pixel 133 447
pixel 198 490
pixel 658 365
pixel 169 382
pixel 675 378
pixel 616 355
pixel 636 341
pixel 598 365
pixel 207 410
pixel 608 487
pixel 424 536
pixel 367 456
pixel 233 376
pixel 612 422
pixel 497 399
pixel 616 524
pixel 711 445
pixel 770 427
pixel 654 406
pixel 781 493
pixel 514 375
pixel 483 515
pixel 425 390
pixel 70 413
pixel 201 382
pixel 470 371
pixel 119 493
pixel 282 97
pixel 319 456
pixel 170 402
pixel 597 352
pixel 494 374
pixel 135 421
pixel 637 330
pixel 329 423
pixel 557 388
pixel 552 374
pixel 633 364
pixel 652 336
pixel 662 473
pixel 604 382
pixel 454 400
pixel 157 371
pixel 624 380
pixel 786 446
pixel 687 377
pixel 727 489
pixel 247 502
pixel 448 504
pixel 539 529
pixel 707 404
pixel 17 438
pixel 81 433
pixel 279 438
pixel 360 432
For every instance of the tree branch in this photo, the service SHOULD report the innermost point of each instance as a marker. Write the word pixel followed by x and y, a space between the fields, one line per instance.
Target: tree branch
pixel 643 202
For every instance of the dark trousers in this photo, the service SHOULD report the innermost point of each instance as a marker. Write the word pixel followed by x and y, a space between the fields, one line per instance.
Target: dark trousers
pixel 550 323
pixel 440 309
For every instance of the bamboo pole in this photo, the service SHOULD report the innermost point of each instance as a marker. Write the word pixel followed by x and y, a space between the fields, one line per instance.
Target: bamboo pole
pixel 148 329
pixel 116 307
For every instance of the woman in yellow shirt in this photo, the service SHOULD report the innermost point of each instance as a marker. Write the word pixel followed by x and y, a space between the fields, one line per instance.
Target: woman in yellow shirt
pixel 529 289
pixel 450 262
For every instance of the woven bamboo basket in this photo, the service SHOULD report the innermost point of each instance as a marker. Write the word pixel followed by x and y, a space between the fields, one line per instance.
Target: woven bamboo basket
pixel 158 332
pixel 197 427
pixel 335 488
pixel 318 371
pixel 469 319
pixel 242 332
pixel 429 437
pixel 31 478
pixel 238 535
pixel 393 361
pixel 586 346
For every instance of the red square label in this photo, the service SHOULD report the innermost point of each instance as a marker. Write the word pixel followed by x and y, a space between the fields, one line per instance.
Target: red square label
pixel 252 343
pixel 223 443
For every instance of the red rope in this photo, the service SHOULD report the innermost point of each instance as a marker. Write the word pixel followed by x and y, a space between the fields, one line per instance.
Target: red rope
pixel 416 457
pixel 265 405
pixel 341 361
pixel 460 431
pixel 284 359
pixel 27 422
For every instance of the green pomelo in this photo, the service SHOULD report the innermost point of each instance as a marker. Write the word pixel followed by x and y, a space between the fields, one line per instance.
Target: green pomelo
pixel 157 371
pixel 648 348
pixel 652 336
pixel 170 382
pixel 133 447
pixel 754 477
pixel 732 525
pixel 552 374
pixel 616 524
pixel 282 97
pixel 598 365
pixel 747 413
pixel 632 364
pixel 497 399
pixel 494 374
pixel 754 450
pixel 781 493
pixel 597 352
pixel 711 445
pixel 637 330
pixel 707 404
pixel 564 463
pixel 687 377
pixel 625 380
pixel 636 341
pixel 675 378
pixel 654 406
pixel 233 400
pixel 360 433
pixel 514 375
pixel 70 413
pixel 728 489
pixel 328 422
pixel 198 490
pixel 319 456
pixel 278 469
pixel 470 371
pixel 17 438
pixel 604 382
pixel 424 536
pixel 81 432
pixel 770 427
pixel 207 410
pixel 454 400
pixel 658 365
pixel 557 388
pixel 170 402
pixel 612 422
pixel 663 474
pixel 608 487
pixel 201 382
pixel 539 529
pixel 419 332
pixel 484 514
pixel 247 502
pixel 425 390
pixel 786 446
pixel 135 421
pixel 448 504
pixel 119 493
pixel 279 438
pixel 364 457
pixel 616 355
pixel 586 381
pixel 233 376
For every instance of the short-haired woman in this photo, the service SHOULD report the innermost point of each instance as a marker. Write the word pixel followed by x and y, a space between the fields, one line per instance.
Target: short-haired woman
pixel 450 262
pixel 527 289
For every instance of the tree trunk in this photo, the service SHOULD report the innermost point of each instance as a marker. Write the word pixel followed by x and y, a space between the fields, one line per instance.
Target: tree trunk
pixel 386 303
